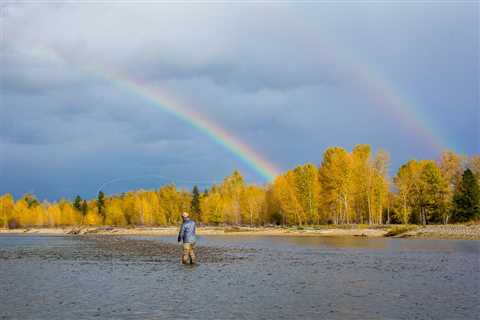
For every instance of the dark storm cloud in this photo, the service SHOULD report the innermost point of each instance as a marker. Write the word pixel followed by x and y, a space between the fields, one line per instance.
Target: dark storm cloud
pixel 278 76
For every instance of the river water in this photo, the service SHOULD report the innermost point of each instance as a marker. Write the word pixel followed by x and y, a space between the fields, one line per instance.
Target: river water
pixel 47 277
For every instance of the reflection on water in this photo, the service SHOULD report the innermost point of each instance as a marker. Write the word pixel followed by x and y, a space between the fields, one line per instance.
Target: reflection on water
pixel 342 242
pixel 17 241
pixel 282 278
pixel 311 242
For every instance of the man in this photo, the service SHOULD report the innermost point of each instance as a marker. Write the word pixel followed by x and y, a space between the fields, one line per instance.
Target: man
pixel 187 235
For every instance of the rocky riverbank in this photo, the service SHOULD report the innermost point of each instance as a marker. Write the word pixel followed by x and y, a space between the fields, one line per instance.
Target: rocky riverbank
pixel 464 232
pixel 451 231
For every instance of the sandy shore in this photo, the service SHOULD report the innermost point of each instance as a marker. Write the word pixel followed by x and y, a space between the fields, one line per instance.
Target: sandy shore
pixel 467 232
pixel 172 231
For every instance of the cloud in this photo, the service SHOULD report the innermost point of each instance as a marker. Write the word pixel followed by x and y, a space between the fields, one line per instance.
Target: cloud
pixel 278 76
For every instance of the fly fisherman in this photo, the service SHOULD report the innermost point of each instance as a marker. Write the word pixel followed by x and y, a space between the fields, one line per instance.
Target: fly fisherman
pixel 187 235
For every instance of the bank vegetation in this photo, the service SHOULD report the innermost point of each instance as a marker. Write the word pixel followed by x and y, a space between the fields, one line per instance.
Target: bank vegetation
pixel 345 188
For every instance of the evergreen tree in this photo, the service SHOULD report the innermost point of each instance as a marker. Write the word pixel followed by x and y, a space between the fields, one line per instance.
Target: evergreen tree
pixel 101 205
pixel 466 201
pixel 77 204
pixel 195 204
pixel 84 209
pixel 30 200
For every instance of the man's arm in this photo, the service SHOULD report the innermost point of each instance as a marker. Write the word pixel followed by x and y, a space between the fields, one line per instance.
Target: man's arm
pixel 180 233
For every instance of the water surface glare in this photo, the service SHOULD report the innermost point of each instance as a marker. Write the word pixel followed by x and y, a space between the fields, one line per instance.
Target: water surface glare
pixel 51 277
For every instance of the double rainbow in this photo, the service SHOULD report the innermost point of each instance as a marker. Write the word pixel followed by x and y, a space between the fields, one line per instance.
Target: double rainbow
pixel 382 93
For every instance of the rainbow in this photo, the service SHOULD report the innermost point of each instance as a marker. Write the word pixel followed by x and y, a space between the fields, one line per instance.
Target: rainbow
pixel 387 96
pixel 164 101
pixel 362 76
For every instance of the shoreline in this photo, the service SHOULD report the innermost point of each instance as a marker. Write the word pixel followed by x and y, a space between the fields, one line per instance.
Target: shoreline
pixel 452 232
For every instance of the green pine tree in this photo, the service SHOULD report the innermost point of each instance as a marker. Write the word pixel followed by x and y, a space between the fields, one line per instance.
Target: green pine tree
pixel 77 204
pixel 31 200
pixel 101 205
pixel 466 200
pixel 195 203
pixel 84 208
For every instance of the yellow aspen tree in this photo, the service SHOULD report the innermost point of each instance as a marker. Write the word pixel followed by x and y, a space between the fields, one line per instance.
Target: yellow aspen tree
pixel 172 203
pixel 432 198
pixel 153 208
pixel 128 208
pixel 361 184
pixel 406 182
pixel 335 180
pixel 307 189
pixel 69 216
pixel 252 203
pixel 451 169
pixel 6 209
pixel 185 201
pixel 380 185
pixel 54 215
pixel 422 190
pixel 38 216
pixel 24 210
pixel 473 164
pixel 148 211
pixel 231 190
pixel 160 217
pixel 20 214
pixel 139 209
pixel 93 218
pixel 113 212
pixel 286 196
pixel 213 208
pixel 272 213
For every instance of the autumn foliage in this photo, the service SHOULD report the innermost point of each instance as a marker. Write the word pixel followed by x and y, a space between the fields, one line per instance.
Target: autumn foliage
pixel 345 188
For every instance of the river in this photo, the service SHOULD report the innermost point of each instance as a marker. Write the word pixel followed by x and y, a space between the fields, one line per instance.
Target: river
pixel 266 277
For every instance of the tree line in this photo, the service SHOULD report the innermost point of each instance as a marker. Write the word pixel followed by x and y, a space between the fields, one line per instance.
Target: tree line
pixel 345 188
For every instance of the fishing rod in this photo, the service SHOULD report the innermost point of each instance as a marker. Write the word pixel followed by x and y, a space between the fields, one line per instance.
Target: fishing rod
pixel 156 176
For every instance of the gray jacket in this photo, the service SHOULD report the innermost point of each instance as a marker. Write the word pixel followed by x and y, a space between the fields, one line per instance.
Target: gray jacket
pixel 187 232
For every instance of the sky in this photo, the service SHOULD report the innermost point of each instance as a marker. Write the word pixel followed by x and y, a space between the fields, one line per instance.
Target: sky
pixel 288 80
